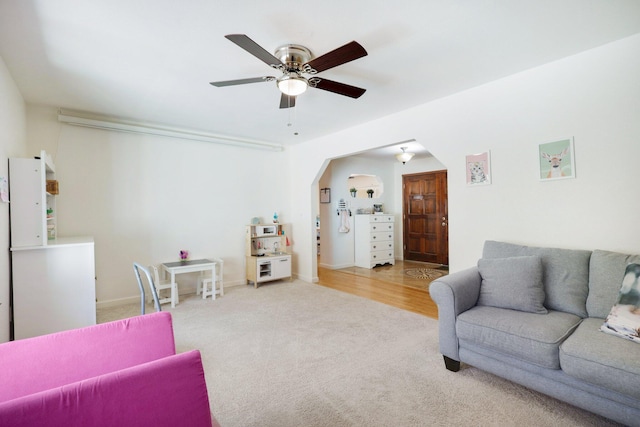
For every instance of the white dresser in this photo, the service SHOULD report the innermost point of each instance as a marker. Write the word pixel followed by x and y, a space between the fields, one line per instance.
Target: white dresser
pixel 374 236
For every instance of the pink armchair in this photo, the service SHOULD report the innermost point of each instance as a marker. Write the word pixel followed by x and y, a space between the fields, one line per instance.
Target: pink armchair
pixel 123 373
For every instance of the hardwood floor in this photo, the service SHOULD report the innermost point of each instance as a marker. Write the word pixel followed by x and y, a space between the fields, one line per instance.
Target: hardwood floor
pixel 387 290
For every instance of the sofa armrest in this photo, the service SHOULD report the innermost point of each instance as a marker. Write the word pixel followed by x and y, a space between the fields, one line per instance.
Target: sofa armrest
pixel 454 294
pixel 166 392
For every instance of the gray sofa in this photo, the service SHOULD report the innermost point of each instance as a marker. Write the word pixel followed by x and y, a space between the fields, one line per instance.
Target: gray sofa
pixel 549 342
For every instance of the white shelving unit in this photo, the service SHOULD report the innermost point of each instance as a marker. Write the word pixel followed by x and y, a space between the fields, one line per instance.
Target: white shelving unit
pixel 53 278
pixel 30 201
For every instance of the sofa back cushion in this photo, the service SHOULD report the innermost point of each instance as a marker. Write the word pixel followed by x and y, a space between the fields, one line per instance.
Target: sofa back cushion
pixel 514 283
pixel 565 273
pixel 606 271
pixel 40 363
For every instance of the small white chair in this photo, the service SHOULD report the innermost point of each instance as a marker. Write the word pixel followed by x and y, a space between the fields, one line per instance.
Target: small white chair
pixel 205 281
pixel 137 268
pixel 173 297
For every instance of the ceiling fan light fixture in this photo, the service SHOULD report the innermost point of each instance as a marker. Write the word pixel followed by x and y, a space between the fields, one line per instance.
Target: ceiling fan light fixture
pixel 404 157
pixel 292 85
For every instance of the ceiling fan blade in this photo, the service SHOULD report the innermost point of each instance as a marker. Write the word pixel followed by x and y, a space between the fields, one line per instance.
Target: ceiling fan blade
pixel 336 87
pixel 243 81
pixel 339 56
pixel 287 101
pixel 255 49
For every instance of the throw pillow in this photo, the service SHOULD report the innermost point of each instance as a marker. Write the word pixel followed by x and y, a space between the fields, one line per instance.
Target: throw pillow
pixel 514 283
pixel 624 318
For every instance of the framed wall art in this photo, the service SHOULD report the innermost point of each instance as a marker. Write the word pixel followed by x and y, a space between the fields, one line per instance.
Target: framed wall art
pixel 557 160
pixel 478 168
pixel 325 195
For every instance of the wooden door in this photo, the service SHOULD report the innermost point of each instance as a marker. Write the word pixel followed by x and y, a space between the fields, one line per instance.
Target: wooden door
pixel 425 217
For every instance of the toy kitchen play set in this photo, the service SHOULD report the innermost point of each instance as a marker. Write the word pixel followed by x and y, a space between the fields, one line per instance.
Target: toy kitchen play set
pixel 266 252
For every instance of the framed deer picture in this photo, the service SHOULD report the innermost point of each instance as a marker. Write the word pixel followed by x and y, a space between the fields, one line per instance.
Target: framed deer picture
pixel 557 160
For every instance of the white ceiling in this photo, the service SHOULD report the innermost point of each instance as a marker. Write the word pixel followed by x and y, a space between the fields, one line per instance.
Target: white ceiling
pixel 152 60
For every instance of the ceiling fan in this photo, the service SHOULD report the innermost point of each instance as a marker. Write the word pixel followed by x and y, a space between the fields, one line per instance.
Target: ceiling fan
pixel 293 61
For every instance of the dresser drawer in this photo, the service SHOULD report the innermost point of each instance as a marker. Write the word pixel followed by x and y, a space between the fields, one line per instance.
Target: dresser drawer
pixel 381 256
pixel 385 226
pixel 382 246
pixel 380 218
pixel 382 236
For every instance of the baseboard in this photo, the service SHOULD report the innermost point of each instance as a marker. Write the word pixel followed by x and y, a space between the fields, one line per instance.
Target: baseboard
pixel 136 299
pixel 335 267
pixel 117 302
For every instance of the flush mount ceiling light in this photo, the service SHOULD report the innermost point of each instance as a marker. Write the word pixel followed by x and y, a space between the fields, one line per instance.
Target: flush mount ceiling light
pixel 292 84
pixel 404 157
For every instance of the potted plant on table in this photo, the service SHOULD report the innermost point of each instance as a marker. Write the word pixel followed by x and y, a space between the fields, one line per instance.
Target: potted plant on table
pixel 353 191
pixel 370 193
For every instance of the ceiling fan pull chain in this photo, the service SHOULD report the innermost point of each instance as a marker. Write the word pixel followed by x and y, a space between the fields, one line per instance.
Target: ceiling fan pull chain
pixel 290 123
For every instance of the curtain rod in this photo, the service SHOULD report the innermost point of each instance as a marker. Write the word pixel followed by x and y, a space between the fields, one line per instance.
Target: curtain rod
pixel 127 127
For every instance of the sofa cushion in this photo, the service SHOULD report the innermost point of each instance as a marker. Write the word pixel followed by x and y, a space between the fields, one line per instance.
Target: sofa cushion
pixel 624 318
pixel 514 283
pixel 606 270
pixel 601 359
pixel 171 391
pixel 531 337
pixel 565 273
pixel 61 358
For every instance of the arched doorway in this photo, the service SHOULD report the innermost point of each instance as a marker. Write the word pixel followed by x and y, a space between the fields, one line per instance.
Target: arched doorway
pixel 336 250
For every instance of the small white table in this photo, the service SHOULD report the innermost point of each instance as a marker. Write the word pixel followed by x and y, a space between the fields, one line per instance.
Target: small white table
pixel 191 266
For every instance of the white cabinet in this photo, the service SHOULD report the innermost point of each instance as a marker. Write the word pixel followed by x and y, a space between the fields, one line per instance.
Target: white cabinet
pixel 374 237
pixel 53 278
pixel 31 224
pixel 266 253
pixel 280 267
pixel 53 287
pixel 265 268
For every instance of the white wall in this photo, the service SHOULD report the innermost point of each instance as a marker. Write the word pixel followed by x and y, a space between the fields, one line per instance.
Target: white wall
pixel 593 96
pixel 144 198
pixel 12 144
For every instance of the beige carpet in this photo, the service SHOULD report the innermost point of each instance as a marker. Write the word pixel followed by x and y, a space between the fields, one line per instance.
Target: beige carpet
pixel 295 354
